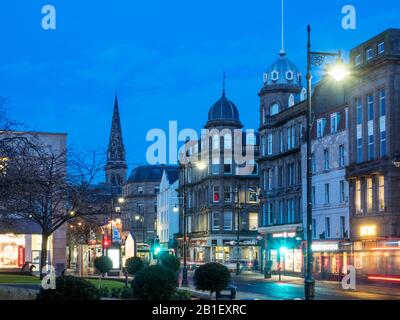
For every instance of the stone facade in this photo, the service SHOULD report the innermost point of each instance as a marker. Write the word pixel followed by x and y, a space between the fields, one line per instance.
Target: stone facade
pixel 219 195
pixel 282 119
pixel 374 100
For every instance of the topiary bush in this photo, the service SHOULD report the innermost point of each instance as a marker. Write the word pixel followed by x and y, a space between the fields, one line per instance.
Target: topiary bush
pixel 171 262
pixel 155 283
pixel 103 264
pixel 134 265
pixel 211 277
pixel 70 288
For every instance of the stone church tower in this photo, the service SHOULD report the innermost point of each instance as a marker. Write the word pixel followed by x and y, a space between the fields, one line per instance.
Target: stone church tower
pixel 116 164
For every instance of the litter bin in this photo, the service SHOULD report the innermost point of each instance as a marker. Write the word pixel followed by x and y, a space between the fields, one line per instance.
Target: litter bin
pixel 268 270
pixel 221 295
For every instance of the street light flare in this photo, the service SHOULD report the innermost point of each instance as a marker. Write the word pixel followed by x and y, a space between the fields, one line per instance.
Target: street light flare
pixel 339 72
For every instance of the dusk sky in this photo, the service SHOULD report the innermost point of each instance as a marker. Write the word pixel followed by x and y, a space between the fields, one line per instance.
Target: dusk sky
pixel 164 58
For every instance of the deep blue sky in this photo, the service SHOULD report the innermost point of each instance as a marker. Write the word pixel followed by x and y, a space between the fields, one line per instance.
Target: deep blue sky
pixel 164 58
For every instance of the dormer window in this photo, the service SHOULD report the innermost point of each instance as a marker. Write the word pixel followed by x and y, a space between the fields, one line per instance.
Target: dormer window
pixel 289 75
pixel 381 48
pixel 265 77
pixel 274 75
pixel 357 60
pixel 369 54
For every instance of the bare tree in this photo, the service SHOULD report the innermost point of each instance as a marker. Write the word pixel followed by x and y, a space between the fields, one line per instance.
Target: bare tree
pixel 45 186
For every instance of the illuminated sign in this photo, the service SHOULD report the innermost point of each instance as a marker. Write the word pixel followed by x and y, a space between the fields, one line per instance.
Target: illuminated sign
pixel 325 246
pixel 284 235
pixel 367 231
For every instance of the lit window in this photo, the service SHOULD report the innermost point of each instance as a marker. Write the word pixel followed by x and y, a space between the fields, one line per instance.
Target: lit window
pixel 381 47
pixel 381 193
pixel 216 194
pixel 369 194
pixel 357 198
pixel 253 221
pixel 367 231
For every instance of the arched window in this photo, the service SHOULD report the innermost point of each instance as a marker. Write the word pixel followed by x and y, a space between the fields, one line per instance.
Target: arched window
pixel 291 101
pixel 215 141
pixel 274 75
pixel 274 109
pixel 228 141
pixel 303 94
pixel 251 139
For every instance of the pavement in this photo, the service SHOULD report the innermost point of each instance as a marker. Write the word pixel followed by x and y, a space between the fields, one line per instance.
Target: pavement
pixel 253 286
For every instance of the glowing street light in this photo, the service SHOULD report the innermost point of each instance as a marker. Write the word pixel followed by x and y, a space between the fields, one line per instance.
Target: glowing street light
pixel 338 71
pixel 201 166
pixel 121 200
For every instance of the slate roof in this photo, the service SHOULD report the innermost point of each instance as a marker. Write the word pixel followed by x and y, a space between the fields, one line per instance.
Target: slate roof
pixel 151 173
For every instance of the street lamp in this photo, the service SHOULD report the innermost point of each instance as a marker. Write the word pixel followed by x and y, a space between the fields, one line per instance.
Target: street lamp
pixel 396 159
pixel 338 72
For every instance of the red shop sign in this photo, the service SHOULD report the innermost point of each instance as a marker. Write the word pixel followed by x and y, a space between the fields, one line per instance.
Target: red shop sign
pixel 21 256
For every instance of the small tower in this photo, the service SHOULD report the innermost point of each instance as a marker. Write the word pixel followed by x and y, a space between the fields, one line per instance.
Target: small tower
pixel 116 164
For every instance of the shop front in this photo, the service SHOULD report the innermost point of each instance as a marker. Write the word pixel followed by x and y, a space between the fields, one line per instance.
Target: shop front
pixel 224 250
pixel 285 253
pixel 331 259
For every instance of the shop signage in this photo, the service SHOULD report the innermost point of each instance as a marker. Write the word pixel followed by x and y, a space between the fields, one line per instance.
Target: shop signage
pixel 284 235
pixel 21 256
pixel 249 242
pixel 325 246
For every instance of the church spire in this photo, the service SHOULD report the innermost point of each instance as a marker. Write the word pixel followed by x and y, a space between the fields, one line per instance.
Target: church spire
pixel 116 164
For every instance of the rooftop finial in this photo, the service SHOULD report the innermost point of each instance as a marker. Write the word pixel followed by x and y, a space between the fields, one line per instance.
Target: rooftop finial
pixel 282 52
pixel 223 85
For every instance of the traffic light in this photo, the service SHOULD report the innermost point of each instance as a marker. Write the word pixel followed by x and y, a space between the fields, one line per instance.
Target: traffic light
pixel 156 247
pixel 105 242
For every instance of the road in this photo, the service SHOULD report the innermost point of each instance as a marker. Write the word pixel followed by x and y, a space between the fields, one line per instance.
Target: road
pixel 293 289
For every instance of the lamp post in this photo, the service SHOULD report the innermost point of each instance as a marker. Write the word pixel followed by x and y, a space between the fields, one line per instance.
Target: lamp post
pixel 237 207
pixel 338 72
pixel 396 159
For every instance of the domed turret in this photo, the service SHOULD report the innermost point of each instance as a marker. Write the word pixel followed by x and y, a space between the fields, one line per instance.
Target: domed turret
pixel 223 113
pixel 283 72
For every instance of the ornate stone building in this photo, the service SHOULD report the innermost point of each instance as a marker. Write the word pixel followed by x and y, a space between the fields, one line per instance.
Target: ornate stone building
pixel 217 196
pixel 282 120
pixel 374 134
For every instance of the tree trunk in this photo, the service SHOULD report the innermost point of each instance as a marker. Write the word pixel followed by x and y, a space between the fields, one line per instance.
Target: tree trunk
pixel 43 254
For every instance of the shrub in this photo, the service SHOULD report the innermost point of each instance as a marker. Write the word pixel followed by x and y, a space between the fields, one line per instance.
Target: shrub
pixel 211 277
pixel 182 295
pixel 134 265
pixel 104 292
pixel 171 262
pixel 126 293
pixel 103 264
pixel 154 283
pixel 70 288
